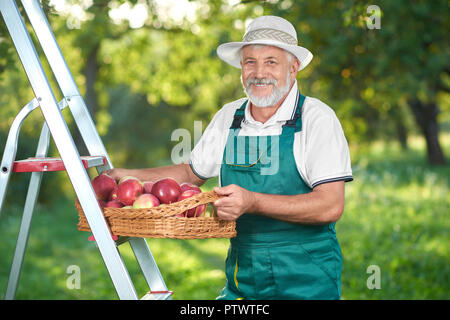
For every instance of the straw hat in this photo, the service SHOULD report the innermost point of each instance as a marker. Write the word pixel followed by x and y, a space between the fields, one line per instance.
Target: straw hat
pixel 266 30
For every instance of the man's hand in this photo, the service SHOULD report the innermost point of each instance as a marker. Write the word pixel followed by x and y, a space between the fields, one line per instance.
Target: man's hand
pixel 323 205
pixel 117 173
pixel 234 202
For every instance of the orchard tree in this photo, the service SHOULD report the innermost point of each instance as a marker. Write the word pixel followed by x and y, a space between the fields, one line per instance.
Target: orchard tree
pixel 370 69
pixel 375 67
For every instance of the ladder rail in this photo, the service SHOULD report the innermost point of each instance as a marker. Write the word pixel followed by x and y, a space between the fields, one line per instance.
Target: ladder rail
pixel 67 149
pixel 10 151
pixel 24 231
pixel 9 154
pixel 147 264
pixel 56 126
pixel 65 80
pixel 84 122
pixel 32 194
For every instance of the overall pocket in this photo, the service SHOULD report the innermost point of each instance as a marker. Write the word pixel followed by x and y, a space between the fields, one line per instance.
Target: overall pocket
pixel 305 271
pixel 325 254
pixel 263 277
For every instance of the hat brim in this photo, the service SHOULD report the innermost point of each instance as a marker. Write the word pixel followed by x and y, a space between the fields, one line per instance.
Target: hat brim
pixel 229 52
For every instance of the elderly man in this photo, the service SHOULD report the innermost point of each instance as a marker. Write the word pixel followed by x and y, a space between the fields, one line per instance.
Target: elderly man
pixel 282 160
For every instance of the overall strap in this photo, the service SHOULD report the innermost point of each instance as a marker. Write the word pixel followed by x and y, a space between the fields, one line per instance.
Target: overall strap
pixel 239 116
pixel 295 122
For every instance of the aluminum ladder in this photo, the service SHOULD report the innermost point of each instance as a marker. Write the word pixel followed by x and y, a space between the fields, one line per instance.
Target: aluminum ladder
pixel 70 161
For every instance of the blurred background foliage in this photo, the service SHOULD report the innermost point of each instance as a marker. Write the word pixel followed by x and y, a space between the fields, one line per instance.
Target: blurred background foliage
pixel 148 67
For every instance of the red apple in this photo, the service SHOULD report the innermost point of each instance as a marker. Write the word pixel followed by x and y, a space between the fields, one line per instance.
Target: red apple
pixel 194 212
pixel 189 186
pixel 148 185
pixel 129 190
pixel 113 194
pixel 103 184
pixel 125 178
pixel 167 190
pixel 146 200
pixel 114 204
pixel 101 203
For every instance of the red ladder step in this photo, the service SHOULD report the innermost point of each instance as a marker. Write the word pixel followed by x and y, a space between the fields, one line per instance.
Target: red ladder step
pixel 54 164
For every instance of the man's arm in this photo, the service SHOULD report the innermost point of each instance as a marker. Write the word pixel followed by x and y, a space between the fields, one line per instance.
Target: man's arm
pixel 180 172
pixel 323 205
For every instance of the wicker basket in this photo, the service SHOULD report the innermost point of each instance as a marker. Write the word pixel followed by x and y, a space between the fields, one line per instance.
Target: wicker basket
pixel 162 222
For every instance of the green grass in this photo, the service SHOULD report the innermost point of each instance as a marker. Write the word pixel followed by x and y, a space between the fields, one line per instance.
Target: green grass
pixel 396 217
pixel 193 269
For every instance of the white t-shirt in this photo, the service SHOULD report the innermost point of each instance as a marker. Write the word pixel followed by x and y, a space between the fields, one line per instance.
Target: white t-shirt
pixel 320 148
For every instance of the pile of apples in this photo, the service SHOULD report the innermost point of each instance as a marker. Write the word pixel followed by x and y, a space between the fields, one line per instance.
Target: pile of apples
pixel 130 192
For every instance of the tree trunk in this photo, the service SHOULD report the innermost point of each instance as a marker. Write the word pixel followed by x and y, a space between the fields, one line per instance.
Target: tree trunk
pixel 426 117
pixel 402 134
pixel 400 128
pixel 90 72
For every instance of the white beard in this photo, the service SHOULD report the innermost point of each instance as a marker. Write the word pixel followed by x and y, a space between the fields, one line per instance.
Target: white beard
pixel 270 100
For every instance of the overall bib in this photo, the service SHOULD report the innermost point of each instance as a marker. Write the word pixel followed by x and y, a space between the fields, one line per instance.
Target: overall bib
pixel 269 258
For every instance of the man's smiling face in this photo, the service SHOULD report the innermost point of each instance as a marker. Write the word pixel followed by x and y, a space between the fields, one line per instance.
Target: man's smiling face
pixel 267 74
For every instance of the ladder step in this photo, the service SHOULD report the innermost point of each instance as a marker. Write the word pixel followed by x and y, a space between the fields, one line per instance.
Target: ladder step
pixel 158 295
pixel 54 164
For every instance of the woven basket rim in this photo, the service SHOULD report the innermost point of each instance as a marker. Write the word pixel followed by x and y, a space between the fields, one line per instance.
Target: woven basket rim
pixel 163 222
pixel 163 210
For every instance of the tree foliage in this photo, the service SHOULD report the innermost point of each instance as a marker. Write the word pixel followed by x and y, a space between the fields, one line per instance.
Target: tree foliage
pixel 142 81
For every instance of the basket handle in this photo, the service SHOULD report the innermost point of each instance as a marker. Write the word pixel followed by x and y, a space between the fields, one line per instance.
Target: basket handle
pixel 186 204
pixel 166 210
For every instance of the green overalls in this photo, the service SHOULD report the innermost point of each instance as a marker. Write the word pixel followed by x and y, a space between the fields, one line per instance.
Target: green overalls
pixel 269 258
